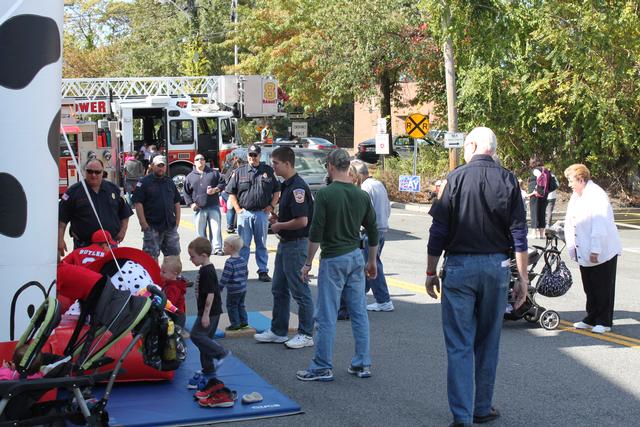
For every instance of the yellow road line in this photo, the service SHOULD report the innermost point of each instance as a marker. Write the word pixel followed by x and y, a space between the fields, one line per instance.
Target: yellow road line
pixel 607 336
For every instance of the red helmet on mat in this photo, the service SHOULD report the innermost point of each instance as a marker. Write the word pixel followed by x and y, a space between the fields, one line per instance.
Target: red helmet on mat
pixel 140 267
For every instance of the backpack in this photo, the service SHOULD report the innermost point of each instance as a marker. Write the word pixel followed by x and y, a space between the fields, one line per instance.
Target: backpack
pixel 553 183
pixel 542 182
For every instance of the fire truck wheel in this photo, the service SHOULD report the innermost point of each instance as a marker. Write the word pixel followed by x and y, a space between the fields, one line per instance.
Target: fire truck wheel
pixel 178 174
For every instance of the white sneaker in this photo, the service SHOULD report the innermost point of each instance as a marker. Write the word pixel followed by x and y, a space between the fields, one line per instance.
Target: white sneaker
pixel 599 329
pixel 582 325
pixel 385 306
pixel 300 341
pixel 268 336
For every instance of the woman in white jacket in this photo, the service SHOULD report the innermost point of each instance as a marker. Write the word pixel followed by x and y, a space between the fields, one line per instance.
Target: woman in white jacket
pixel 593 241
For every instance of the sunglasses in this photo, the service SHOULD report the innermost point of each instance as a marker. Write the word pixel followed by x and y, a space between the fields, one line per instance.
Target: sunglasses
pixel 199 159
pixel 94 172
pixel 253 154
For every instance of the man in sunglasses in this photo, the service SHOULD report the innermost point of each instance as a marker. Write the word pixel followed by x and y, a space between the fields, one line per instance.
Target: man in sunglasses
pixel 254 191
pixel 75 208
pixel 157 203
pixel 202 189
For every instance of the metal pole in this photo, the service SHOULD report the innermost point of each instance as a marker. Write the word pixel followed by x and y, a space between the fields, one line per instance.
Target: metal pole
pixel 234 19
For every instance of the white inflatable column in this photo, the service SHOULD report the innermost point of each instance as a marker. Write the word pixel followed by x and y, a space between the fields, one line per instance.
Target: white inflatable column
pixel 30 78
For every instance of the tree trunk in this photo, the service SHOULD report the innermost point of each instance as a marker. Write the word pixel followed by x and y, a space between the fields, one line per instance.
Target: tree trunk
pixel 450 76
pixel 386 88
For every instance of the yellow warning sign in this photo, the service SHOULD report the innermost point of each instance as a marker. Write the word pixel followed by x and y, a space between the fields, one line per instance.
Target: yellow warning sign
pixel 416 125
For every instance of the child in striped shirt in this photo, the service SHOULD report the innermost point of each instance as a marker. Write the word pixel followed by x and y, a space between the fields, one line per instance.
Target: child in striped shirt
pixel 234 278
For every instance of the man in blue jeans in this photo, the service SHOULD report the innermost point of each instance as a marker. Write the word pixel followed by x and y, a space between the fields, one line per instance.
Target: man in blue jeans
pixel 254 191
pixel 478 221
pixel 292 227
pixel 340 209
pixel 202 188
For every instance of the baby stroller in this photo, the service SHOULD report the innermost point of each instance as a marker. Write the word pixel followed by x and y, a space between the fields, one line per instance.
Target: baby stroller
pixel 110 314
pixel 530 310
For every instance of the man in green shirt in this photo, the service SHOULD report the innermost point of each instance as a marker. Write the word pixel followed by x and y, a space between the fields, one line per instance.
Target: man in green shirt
pixel 340 209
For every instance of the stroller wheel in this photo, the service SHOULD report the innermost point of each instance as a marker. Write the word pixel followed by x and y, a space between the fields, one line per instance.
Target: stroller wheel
pixel 549 320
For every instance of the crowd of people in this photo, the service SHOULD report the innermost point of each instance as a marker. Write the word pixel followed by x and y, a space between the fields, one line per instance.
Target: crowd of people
pixel 478 220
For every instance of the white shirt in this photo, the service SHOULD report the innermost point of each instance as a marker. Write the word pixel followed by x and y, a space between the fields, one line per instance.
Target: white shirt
pixel 380 201
pixel 589 226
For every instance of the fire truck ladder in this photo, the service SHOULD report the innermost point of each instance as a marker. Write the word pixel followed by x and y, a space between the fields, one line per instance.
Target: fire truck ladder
pixel 122 88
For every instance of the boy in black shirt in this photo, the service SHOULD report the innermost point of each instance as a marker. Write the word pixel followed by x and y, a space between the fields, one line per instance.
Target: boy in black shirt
pixel 212 354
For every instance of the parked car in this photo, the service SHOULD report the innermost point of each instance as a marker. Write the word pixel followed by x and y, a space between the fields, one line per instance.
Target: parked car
pixel 403 146
pixel 317 143
pixel 310 164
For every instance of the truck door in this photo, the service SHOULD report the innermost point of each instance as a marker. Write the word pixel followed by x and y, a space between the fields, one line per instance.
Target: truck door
pixel 181 146
pixel 208 139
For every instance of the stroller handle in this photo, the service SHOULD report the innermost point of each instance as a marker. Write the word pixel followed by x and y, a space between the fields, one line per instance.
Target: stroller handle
pixel 158 292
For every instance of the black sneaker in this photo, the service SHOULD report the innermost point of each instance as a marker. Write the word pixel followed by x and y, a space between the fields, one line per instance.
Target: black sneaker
pixel 231 230
pixel 263 276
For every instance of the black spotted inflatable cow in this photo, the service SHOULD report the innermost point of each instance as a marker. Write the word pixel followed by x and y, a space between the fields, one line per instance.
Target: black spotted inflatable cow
pixel 30 78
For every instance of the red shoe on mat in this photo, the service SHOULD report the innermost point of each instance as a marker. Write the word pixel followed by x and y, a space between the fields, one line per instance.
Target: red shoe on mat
pixel 213 385
pixel 223 398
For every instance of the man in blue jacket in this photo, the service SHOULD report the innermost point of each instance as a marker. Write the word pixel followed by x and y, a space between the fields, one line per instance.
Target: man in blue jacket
pixel 202 189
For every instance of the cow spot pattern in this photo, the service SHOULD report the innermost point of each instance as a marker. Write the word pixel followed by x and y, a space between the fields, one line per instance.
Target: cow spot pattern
pixel 13 206
pixel 53 138
pixel 28 43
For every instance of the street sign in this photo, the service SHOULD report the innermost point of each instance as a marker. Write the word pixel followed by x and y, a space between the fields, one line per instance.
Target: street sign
pixel 416 125
pixel 382 126
pixel 410 183
pixel 382 143
pixel 299 129
pixel 453 140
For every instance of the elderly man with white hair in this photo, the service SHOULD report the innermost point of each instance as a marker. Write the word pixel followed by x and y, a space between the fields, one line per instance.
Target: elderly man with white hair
pixel 478 221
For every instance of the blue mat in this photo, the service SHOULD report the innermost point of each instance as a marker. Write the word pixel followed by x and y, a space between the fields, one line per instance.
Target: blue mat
pixel 172 404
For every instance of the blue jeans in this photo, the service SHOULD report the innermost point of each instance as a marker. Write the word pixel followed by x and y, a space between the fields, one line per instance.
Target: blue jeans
pixel 209 349
pixel 474 298
pixel 287 283
pixel 209 216
pixel 252 225
pixel 378 285
pixel 344 271
pixel 231 213
pixel 236 309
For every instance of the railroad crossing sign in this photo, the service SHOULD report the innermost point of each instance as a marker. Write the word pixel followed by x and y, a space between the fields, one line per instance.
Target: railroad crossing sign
pixel 416 125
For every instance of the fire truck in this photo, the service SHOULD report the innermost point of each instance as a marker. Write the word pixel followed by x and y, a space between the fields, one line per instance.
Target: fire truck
pixel 182 116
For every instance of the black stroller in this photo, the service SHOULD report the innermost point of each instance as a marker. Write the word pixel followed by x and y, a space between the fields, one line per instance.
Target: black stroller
pixel 110 315
pixel 530 310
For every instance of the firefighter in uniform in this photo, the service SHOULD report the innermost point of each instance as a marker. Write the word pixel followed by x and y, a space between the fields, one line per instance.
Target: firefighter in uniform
pixel 253 192
pixel 292 227
pixel 157 203
pixel 75 208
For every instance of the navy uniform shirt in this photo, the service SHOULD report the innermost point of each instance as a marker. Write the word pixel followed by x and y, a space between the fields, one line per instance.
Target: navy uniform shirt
pixel 253 186
pixel 195 187
pixel 158 196
pixel 295 202
pixel 481 211
pixel 74 207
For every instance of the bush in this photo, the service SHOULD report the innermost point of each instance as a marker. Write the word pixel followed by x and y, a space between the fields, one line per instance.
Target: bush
pixel 432 165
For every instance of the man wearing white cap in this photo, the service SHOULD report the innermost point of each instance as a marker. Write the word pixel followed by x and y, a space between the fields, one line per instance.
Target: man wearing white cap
pixel 157 203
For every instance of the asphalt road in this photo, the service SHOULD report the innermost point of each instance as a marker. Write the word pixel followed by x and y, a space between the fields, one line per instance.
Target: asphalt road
pixel 564 376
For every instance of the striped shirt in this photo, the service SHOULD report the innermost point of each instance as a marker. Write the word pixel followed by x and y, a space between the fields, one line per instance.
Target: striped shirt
pixel 234 275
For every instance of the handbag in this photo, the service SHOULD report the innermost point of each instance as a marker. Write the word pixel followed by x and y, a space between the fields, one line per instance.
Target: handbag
pixel 554 282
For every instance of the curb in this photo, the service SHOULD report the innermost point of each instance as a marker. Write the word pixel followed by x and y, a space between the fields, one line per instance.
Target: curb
pixel 413 207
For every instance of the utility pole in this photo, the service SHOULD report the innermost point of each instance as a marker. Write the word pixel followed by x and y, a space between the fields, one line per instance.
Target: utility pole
pixel 234 19
pixel 450 76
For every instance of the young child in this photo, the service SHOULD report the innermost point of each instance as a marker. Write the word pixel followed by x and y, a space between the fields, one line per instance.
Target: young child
pixel 100 242
pixel 212 354
pixel 174 287
pixel 8 370
pixel 234 278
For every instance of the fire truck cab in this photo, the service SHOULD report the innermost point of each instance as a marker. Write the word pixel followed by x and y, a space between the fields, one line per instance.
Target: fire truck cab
pixel 86 142
pixel 179 129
